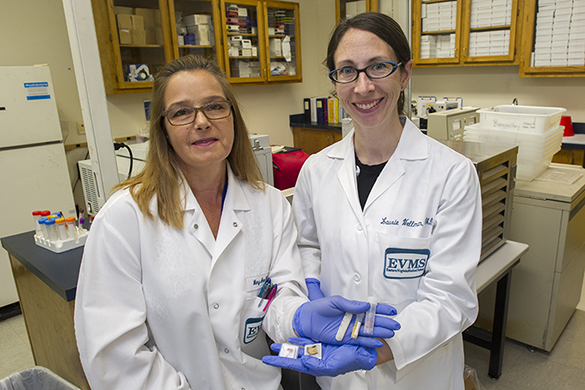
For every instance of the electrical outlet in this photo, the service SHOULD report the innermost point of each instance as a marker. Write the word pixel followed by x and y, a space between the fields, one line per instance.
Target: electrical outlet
pixel 80 128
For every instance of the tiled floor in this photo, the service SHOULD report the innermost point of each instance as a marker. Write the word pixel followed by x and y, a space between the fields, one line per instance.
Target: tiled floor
pixel 15 352
pixel 561 369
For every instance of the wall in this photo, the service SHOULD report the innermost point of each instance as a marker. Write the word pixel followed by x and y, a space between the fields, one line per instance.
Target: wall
pixel 487 86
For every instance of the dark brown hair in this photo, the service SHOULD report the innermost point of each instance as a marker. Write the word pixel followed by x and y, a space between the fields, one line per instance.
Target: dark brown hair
pixel 381 25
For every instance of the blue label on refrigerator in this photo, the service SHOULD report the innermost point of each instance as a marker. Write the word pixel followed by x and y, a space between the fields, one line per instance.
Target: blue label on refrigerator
pixel 37 91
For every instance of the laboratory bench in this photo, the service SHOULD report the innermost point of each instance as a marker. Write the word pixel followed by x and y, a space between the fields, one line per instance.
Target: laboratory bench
pixel 573 147
pixel 46 283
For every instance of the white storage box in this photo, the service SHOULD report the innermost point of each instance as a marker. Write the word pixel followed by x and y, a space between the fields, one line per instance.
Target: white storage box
pixel 535 151
pixel 525 119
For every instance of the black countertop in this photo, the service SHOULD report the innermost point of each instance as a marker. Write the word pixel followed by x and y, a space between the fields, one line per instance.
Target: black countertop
pixel 59 271
pixel 298 120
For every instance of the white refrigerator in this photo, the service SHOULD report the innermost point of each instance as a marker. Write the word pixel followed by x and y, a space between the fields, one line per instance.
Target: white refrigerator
pixel 33 166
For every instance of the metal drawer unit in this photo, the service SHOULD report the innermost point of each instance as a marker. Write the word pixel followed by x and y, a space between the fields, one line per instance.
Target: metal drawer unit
pixel 496 168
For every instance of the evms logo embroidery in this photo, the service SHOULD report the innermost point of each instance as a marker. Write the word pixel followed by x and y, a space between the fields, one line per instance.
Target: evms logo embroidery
pixel 251 329
pixel 405 263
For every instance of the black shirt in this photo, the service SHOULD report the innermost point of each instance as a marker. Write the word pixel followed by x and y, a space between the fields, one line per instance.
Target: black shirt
pixel 366 177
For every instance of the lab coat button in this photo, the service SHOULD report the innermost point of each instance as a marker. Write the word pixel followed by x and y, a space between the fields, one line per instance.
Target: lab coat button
pixel 226 350
pixel 196 226
pixel 216 306
pixel 357 277
pixel 235 224
pixel 359 227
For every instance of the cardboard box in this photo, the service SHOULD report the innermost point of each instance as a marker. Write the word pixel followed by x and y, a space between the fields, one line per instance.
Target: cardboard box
pixel 125 36
pixel 157 18
pixel 198 19
pixel 124 21
pixel 137 22
pixel 147 15
pixel 154 36
pixel 124 10
pixel 138 37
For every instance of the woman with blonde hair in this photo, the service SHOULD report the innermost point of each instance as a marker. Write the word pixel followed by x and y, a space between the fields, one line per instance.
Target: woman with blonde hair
pixel 168 292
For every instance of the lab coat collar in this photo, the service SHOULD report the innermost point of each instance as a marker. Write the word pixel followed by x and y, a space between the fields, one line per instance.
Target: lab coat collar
pixel 235 198
pixel 411 146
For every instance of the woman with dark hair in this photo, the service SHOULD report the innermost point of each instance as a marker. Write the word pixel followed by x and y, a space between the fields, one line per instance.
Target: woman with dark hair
pixel 191 260
pixel 392 214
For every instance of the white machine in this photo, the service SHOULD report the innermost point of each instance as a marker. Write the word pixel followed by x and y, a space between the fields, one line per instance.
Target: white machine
pixel 260 145
pixel 449 124
pixel 34 169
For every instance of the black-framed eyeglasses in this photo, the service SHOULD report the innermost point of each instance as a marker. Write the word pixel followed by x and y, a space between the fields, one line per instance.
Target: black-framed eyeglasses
pixel 378 70
pixel 179 116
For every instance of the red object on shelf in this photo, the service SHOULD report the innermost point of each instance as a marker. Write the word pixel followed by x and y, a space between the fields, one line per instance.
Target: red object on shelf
pixel 568 123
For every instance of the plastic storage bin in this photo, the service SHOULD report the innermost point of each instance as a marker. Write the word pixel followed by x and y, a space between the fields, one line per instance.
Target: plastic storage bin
pixel 36 378
pixel 525 119
pixel 535 151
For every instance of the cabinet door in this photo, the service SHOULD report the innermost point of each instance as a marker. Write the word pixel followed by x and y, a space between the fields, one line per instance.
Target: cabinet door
pixel 195 28
pixel 347 8
pixel 140 41
pixel 243 41
pixel 553 39
pixel 489 31
pixel 283 43
pixel 436 31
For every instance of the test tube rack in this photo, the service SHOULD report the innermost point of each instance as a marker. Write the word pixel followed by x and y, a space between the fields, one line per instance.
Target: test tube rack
pixel 59 246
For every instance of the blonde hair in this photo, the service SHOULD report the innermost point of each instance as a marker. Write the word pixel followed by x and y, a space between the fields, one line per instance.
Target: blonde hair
pixel 161 174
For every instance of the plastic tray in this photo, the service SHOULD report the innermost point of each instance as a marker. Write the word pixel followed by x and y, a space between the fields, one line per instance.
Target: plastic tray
pixel 59 246
pixel 525 119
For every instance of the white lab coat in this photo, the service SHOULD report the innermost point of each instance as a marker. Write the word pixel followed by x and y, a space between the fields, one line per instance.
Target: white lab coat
pixel 415 246
pixel 161 308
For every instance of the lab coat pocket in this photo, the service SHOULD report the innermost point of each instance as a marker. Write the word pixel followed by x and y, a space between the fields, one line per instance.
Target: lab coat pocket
pixel 402 262
pixel 252 317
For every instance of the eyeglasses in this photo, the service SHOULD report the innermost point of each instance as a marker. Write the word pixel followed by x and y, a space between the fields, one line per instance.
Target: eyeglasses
pixel 180 116
pixel 378 70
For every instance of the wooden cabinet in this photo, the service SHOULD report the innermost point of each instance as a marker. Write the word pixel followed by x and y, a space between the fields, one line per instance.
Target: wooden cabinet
pixel 134 40
pixel 262 41
pixel 312 140
pixel 464 32
pixel 553 39
pixel 137 37
pixel 349 8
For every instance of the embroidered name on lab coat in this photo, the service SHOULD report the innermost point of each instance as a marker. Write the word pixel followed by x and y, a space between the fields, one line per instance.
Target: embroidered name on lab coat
pixel 252 328
pixel 405 263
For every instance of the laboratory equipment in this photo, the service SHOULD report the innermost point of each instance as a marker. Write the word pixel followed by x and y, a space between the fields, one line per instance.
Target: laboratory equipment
pixel 496 168
pixel 546 285
pixel 32 155
pixel 450 124
pixel 370 316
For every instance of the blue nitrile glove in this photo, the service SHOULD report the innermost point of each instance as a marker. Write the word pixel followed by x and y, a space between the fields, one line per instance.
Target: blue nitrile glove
pixel 335 359
pixel 314 287
pixel 320 319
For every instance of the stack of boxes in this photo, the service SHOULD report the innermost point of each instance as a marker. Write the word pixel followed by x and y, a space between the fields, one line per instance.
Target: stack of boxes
pixel 488 13
pixel 560 33
pixel 199 30
pixel 437 46
pixel 139 26
pixel 439 16
pixel 238 20
pixel 489 43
